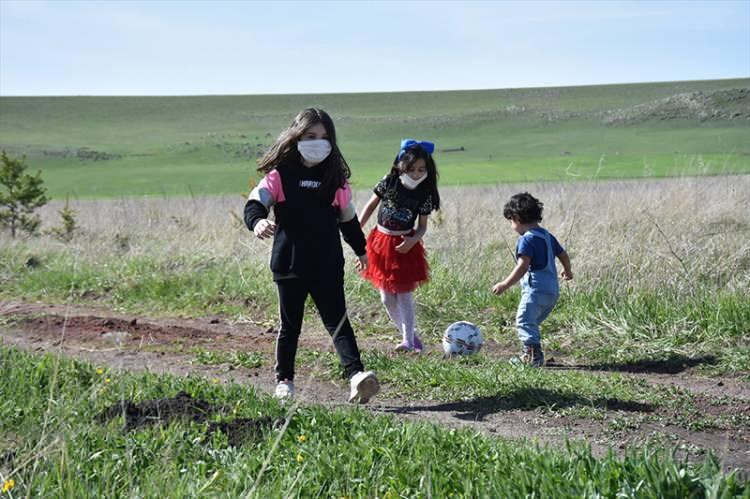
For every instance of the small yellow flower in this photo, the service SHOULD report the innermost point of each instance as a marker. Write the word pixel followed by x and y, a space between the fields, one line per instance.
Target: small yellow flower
pixel 300 458
pixel 99 370
pixel 388 495
pixel 216 381
pixel 302 439
pixel 8 485
pixel 107 380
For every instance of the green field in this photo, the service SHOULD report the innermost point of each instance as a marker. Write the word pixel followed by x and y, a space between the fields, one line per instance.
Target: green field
pixel 59 446
pixel 123 146
pixel 649 338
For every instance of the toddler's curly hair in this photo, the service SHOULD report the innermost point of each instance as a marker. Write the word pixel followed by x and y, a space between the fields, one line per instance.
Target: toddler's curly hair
pixel 526 207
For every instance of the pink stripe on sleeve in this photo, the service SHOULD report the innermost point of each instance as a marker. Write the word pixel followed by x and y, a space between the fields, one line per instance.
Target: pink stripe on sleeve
pixel 343 196
pixel 272 183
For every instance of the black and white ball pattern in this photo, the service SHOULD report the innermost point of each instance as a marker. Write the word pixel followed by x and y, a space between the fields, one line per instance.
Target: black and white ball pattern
pixel 462 338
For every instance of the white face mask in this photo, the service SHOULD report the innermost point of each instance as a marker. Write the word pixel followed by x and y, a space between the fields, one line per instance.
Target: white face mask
pixel 314 151
pixel 409 182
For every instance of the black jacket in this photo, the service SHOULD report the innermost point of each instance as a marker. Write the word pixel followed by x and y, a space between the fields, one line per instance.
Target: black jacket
pixel 306 243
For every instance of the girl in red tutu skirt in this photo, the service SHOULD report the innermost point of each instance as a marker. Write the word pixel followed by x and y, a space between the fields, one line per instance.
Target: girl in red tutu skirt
pixel 395 254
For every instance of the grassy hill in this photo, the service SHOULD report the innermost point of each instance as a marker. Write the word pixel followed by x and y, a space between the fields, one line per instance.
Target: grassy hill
pixel 122 146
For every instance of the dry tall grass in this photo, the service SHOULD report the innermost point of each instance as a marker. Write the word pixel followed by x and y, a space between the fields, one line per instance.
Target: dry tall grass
pixel 643 234
pixel 662 266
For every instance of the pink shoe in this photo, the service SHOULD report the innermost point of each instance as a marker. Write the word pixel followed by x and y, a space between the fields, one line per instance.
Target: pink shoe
pixel 417 343
pixel 404 347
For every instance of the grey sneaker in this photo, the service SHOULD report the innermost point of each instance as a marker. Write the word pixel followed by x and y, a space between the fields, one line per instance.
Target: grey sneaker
pixel 364 386
pixel 284 390
pixel 531 356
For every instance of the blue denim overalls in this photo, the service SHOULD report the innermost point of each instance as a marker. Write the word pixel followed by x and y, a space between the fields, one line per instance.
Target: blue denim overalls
pixel 539 293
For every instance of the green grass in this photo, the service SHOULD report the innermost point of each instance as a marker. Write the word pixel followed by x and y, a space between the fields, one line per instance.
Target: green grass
pixel 604 326
pixel 175 285
pixel 493 384
pixel 208 144
pixel 480 385
pixel 234 359
pixel 56 447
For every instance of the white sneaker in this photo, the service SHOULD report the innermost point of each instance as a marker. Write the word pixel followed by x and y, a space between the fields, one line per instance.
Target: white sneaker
pixel 284 390
pixel 364 387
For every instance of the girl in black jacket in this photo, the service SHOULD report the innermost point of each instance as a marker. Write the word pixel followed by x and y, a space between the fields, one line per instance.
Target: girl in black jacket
pixel 306 185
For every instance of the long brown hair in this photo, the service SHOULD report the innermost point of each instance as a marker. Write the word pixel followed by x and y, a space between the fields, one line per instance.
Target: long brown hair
pixel 335 169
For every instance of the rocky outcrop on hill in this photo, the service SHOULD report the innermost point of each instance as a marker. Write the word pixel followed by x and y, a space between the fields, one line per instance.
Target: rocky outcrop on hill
pixel 82 153
pixel 729 104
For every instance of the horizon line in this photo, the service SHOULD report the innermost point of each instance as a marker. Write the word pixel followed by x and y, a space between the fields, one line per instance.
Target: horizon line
pixel 584 85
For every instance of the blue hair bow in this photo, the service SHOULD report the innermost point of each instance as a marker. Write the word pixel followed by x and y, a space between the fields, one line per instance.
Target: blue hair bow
pixel 407 144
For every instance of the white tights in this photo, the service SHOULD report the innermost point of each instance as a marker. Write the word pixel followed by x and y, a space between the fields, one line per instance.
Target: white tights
pixel 400 308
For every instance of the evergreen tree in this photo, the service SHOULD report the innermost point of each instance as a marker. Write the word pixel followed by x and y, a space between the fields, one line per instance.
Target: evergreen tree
pixel 22 194
pixel 68 223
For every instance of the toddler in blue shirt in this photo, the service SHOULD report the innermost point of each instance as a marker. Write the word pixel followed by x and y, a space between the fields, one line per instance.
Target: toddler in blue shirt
pixel 535 268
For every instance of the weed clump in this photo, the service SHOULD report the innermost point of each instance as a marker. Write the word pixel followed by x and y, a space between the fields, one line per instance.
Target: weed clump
pixel 242 430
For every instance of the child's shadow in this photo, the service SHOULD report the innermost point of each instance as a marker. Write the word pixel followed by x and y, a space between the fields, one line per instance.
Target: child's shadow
pixel 524 399
pixel 671 364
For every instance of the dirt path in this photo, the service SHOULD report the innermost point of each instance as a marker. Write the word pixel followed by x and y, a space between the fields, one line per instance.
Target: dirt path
pixel 130 343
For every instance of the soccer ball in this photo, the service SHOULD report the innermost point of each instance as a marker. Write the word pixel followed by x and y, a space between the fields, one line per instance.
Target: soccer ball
pixel 462 338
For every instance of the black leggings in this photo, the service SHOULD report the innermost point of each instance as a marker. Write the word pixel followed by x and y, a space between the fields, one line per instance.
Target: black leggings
pixel 329 300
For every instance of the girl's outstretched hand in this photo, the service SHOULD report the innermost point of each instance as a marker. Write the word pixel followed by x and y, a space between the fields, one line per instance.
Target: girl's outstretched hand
pixel 361 262
pixel 500 288
pixel 566 275
pixel 407 244
pixel 264 229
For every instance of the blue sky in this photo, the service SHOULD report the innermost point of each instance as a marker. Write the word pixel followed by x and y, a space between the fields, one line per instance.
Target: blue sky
pixel 113 47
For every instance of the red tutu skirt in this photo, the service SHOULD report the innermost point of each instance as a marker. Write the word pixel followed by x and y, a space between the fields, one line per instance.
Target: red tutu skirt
pixel 389 270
